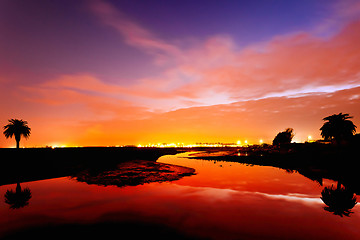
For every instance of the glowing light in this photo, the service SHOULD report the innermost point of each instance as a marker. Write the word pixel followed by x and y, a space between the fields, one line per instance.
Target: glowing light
pixel 261 141
pixel 238 142
pixel 246 142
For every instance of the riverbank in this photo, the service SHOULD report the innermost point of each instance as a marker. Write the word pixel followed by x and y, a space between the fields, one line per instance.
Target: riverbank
pixel 31 164
pixel 313 160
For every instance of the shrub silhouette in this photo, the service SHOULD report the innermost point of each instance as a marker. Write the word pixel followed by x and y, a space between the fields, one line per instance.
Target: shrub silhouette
pixel 284 137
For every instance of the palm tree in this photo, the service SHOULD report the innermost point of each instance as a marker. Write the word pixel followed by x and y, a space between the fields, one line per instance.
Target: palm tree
pixel 18 199
pixel 17 128
pixel 337 127
pixel 339 200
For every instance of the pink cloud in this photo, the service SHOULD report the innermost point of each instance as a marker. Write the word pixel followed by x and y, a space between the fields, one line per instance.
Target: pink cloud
pixel 218 73
pixel 85 93
pixel 218 69
pixel 286 63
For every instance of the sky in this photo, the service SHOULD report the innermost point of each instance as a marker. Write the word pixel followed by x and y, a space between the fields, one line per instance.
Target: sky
pixel 96 73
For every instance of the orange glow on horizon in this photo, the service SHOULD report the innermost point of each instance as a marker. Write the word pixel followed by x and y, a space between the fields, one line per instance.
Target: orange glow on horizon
pixel 227 102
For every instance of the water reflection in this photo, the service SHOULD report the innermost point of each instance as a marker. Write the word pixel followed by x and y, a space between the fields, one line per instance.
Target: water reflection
pixel 234 201
pixel 18 198
pixel 339 200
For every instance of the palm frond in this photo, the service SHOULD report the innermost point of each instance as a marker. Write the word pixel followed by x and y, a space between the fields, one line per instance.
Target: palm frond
pixel 17 127
pixel 338 127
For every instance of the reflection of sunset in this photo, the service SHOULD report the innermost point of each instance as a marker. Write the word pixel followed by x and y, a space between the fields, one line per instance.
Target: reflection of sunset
pixel 116 76
pixel 223 200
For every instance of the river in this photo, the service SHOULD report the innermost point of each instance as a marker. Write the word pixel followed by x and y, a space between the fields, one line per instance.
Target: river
pixel 223 200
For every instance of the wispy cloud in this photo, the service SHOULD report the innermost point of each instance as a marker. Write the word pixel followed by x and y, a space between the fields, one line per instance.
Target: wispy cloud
pixel 133 34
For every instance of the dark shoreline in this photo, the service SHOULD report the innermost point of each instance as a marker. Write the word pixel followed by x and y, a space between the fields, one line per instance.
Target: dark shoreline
pixel 312 160
pixel 31 164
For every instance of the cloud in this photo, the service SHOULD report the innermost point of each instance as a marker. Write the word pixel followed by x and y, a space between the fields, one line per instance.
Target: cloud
pixel 133 34
pixel 95 116
pixel 217 71
pixel 251 120
pixel 286 63
pixel 86 93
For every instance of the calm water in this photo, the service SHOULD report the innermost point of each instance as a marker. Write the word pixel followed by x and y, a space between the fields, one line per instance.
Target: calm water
pixel 222 201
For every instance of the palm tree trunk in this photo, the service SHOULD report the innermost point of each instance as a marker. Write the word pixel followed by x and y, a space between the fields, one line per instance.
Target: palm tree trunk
pixel 17 139
pixel 18 187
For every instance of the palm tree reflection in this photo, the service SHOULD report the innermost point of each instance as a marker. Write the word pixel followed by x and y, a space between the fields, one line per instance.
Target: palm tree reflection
pixel 18 199
pixel 339 200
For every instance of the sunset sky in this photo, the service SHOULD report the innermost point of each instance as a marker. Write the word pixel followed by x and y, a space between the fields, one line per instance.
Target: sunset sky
pixel 120 72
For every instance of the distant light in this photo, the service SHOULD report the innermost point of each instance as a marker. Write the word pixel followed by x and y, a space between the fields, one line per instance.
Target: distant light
pixel 261 141
pixel 309 137
pixel 238 142
pixel 246 141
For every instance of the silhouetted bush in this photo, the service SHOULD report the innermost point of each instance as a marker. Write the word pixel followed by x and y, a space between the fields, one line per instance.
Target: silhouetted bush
pixel 284 137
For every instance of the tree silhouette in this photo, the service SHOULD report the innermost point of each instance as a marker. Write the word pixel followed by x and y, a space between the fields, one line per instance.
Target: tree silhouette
pixel 18 199
pixel 17 128
pixel 284 137
pixel 338 127
pixel 339 200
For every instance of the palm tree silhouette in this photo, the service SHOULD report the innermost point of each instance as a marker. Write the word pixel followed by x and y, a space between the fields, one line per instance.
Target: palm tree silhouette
pixel 17 128
pixel 339 200
pixel 337 127
pixel 18 199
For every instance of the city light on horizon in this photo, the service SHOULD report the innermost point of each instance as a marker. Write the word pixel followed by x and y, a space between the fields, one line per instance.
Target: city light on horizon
pixel 169 144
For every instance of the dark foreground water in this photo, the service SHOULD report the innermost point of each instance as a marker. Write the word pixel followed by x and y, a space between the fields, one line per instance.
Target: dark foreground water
pixel 223 200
